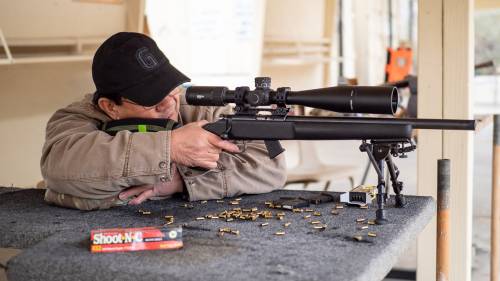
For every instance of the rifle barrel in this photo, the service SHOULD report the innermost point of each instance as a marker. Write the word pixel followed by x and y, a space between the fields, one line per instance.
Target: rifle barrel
pixel 415 123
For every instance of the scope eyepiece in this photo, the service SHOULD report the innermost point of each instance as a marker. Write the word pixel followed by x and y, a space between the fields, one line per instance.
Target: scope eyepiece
pixel 207 96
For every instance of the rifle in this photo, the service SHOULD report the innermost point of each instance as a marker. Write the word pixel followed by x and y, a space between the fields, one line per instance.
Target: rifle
pixel 381 138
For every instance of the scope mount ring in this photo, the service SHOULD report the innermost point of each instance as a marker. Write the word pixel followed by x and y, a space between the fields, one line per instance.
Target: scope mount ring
pixel 239 95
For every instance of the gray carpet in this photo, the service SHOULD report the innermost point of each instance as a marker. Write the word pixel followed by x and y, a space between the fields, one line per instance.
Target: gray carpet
pixel 56 242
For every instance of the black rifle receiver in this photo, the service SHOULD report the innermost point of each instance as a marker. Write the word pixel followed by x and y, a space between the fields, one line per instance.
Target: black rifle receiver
pixel 382 138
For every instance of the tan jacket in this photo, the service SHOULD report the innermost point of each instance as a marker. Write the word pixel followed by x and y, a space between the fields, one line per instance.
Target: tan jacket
pixel 81 161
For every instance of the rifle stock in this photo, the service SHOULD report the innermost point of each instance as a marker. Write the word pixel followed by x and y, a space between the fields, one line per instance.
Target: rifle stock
pixel 305 129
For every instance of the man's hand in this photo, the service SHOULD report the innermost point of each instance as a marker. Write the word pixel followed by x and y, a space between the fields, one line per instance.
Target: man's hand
pixel 144 192
pixel 193 146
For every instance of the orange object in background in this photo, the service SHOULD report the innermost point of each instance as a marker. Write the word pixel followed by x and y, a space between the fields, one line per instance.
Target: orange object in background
pixel 399 64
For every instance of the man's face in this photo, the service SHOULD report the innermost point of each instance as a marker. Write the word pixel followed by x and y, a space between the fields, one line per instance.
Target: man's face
pixel 167 108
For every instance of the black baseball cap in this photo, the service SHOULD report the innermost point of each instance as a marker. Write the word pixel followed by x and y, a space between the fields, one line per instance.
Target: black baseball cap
pixel 131 65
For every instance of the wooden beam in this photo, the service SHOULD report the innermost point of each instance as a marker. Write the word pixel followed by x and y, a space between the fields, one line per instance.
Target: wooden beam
pixel 487 4
pixel 445 78
pixel 430 105
pixel 328 31
pixel 458 66
pixel 146 29
pixel 116 2
pixel 135 15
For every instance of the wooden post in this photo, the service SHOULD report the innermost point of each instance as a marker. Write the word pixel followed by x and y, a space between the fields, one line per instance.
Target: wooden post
pixel 430 96
pixel 328 31
pixel 458 74
pixel 443 221
pixel 135 15
pixel 445 72
pixel 495 202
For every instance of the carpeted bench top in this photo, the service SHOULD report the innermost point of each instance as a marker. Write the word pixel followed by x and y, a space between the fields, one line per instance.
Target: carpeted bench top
pixel 55 241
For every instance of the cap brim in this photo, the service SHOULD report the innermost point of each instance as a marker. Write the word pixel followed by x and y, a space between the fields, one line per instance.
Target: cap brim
pixel 155 88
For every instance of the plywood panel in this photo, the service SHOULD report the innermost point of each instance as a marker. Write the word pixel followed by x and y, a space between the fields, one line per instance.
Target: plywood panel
pixel 60 18
pixel 30 95
pixel 487 4
pixel 294 18
pixel 300 19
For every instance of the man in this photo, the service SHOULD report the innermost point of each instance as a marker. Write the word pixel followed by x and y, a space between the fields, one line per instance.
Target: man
pixel 87 168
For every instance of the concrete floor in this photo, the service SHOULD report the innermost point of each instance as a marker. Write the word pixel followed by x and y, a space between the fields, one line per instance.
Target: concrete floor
pixel 483 142
pixel 347 152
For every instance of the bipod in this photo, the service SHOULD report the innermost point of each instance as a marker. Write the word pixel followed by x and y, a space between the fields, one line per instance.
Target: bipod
pixel 380 153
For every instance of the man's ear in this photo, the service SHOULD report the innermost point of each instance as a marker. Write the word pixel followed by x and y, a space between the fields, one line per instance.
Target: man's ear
pixel 109 107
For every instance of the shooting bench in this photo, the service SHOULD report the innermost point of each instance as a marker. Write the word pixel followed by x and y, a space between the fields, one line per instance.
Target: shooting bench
pixel 55 241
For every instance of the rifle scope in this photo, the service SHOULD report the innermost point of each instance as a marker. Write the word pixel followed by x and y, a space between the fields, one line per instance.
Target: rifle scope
pixel 345 99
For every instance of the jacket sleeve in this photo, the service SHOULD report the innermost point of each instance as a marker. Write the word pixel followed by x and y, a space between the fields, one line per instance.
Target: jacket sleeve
pixel 80 160
pixel 248 172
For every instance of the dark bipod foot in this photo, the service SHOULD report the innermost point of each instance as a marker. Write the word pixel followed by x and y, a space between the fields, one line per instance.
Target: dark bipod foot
pixel 381 221
pixel 381 217
pixel 400 201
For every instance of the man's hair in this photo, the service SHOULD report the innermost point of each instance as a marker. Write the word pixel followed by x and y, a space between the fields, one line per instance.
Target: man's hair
pixel 115 97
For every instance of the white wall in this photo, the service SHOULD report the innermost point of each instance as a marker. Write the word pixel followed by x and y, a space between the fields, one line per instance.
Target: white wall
pixel 370 40
pixel 213 42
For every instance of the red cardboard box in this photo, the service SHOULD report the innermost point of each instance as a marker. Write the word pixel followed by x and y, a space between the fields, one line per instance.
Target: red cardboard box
pixel 135 239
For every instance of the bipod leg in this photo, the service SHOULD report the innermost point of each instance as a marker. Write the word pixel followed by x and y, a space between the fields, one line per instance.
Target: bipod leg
pixel 377 154
pixel 381 212
pixel 397 186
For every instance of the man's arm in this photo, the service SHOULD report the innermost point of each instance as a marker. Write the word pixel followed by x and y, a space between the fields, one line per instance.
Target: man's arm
pixel 250 171
pixel 80 160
